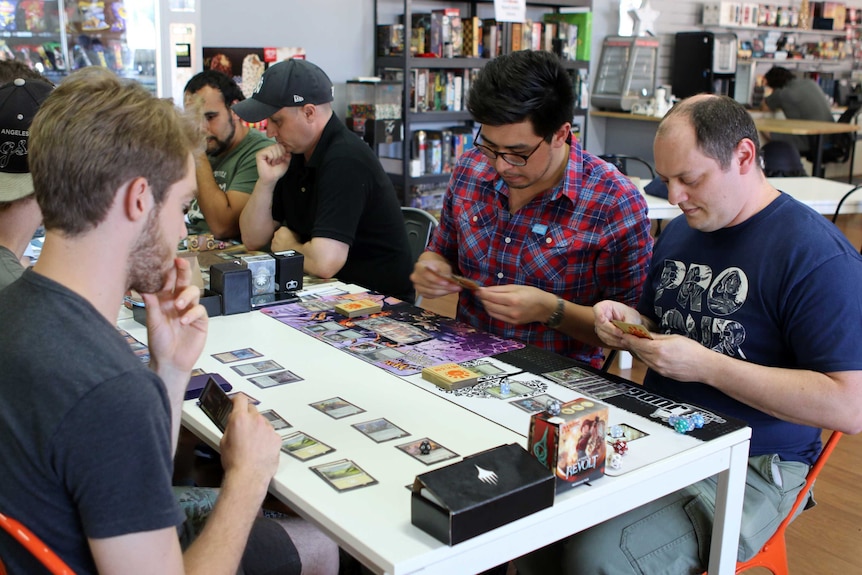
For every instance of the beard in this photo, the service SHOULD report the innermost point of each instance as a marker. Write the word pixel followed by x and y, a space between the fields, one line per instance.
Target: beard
pixel 216 147
pixel 151 258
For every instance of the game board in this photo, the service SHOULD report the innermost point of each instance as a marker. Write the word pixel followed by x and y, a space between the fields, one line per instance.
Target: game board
pixel 401 338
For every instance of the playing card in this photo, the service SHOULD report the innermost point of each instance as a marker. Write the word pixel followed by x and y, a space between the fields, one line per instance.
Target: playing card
pixel 633 328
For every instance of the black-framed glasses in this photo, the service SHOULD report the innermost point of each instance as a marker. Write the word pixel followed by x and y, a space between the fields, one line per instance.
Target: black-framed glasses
pixel 509 157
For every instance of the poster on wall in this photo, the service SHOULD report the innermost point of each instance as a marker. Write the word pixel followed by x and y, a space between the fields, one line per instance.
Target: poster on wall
pixel 246 65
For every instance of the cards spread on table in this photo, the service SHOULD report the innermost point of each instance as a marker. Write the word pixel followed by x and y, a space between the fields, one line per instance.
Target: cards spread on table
pixel 278 422
pixel 273 379
pixel 633 329
pixel 336 408
pixel 256 367
pixel 304 447
pixel 237 355
pixel 343 475
pixel 380 430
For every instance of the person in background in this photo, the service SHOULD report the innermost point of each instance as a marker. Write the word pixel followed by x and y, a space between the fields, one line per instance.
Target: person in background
pixel 21 94
pixel 546 228
pixel 799 99
pixel 322 190
pixel 89 470
pixel 227 172
pixel 737 314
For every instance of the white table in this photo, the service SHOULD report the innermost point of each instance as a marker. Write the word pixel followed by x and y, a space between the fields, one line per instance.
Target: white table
pixel 818 193
pixel 373 523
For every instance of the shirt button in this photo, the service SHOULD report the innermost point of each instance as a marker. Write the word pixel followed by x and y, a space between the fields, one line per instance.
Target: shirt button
pixel 500 275
pixel 547 240
pixel 508 240
pixel 475 218
pixel 302 189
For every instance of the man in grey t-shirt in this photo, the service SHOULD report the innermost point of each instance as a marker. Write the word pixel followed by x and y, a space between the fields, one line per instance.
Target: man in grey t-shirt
pixel 799 99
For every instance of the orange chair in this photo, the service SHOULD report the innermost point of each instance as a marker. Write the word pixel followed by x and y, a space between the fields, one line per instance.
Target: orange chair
pixel 773 555
pixel 35 546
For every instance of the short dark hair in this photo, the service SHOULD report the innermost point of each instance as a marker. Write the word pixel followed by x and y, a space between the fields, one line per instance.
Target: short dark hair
pixel 526 85
pixel 778 77
pixel 218 81
pixel 719 122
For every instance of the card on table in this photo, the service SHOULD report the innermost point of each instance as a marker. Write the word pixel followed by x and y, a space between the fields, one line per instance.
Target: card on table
pixel 304 447
pixel 434 452
pixel 250 399
pixel 278 422
pixel 336 408
pixel 536 403
pixel 237 355
pixel 635 329
pixel 344 475
pixel 515 389
pixel 273 379
pixel 256 367
pixel 380 430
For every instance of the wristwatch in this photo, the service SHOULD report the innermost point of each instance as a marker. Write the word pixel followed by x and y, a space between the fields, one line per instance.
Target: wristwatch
pixel 556 318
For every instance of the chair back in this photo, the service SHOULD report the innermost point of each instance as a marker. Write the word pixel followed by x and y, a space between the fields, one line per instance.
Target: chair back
pixel 419 224
pixel 35 546
pixel 773 555
pixel 621 162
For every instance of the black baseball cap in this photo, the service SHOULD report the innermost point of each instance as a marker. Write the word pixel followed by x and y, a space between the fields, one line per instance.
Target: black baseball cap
pixel 287 83
pixel 19 101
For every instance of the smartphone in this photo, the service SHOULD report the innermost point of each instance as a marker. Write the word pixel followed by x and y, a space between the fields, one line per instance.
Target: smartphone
pixel 216 404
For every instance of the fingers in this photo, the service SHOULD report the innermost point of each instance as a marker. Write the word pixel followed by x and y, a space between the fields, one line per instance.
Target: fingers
pixel 183 270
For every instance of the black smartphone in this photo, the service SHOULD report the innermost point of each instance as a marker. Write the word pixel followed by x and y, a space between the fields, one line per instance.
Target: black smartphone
pixel 216 404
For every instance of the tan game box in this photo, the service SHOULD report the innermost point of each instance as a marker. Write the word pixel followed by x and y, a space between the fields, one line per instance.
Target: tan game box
pixel 572 443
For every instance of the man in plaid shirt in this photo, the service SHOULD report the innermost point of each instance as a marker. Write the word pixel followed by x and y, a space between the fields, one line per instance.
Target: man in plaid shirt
pixel 545 228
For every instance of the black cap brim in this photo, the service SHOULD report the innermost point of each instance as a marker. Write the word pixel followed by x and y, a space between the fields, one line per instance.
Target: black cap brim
pixel 254 111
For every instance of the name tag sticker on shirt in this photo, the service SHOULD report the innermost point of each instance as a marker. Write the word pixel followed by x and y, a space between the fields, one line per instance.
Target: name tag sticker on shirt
pixel 540 229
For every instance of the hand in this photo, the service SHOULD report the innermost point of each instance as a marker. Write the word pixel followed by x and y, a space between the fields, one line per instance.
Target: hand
pixel 611 335
pixel 517 304
pixel 272 163
pixel 250 446
pixel 176 324
pixel 673 356
pixel 285 239
pixel 430 277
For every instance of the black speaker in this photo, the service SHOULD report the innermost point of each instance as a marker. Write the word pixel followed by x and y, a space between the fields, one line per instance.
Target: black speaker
pixel 233 282
pixel 288 271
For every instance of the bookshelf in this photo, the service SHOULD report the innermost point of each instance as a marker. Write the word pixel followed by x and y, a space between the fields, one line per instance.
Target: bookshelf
pixel 420 188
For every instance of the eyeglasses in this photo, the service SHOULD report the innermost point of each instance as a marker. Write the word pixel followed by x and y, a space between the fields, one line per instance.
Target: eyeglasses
pixel 510 158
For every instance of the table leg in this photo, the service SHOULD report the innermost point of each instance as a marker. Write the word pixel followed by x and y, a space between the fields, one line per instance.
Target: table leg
pixel 818 155
pixel 728 512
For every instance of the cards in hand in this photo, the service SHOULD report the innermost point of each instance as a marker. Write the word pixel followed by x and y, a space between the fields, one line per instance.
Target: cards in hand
pixel 216 404
pixel 635 329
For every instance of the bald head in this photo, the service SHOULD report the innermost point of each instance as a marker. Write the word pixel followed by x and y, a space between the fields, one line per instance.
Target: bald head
pixel 719 124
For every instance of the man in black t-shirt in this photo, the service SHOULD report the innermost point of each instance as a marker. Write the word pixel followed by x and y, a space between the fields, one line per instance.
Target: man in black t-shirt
pixel 321 190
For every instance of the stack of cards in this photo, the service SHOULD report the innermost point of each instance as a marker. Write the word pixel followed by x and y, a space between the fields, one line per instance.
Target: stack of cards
pixel 355 308
pixel 450 376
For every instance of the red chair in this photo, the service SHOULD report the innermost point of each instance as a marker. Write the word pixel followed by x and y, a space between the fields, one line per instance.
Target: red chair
pixel 35 546
pixel 773 555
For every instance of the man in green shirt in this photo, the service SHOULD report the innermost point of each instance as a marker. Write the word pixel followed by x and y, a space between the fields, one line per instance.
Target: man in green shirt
pixel 227 179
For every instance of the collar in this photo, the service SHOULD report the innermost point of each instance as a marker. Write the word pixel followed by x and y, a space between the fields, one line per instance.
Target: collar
pixel 332 128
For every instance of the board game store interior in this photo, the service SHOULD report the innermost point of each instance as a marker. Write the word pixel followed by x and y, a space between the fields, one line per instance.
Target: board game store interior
pixel 497 287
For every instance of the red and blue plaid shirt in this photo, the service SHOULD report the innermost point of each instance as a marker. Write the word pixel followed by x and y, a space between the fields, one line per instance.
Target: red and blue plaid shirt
pixel 586 240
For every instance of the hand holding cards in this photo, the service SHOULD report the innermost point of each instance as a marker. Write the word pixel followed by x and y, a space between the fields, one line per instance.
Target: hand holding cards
pixel 635 329
pixel 216 404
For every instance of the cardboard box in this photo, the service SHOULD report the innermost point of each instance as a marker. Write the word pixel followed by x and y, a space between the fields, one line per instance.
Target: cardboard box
pixel 480 493
pixel 572 444
pixel 722 14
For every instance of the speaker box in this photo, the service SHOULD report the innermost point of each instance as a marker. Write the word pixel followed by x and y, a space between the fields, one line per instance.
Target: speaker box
pixel 288 271
pixel 233 282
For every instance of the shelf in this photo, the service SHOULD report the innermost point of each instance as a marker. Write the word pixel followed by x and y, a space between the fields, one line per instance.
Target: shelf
pixel 546 3
pixel 777 29
pixel 440 116
pixel 789 61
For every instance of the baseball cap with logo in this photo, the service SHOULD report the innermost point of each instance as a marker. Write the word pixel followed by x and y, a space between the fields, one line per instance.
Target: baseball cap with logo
pixel 284 84
pixel 19 101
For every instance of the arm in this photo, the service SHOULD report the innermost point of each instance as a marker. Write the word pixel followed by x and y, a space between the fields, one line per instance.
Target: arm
pixel 429 276
pixel 255 221
pixel 250 449
pixel 831 400
pixel 324 257
pixel 176 332
pixel 221 210
pixel 516 304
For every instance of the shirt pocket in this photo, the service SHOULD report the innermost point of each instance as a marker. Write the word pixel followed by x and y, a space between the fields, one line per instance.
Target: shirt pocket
pixel 548 257
pixel 476 228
